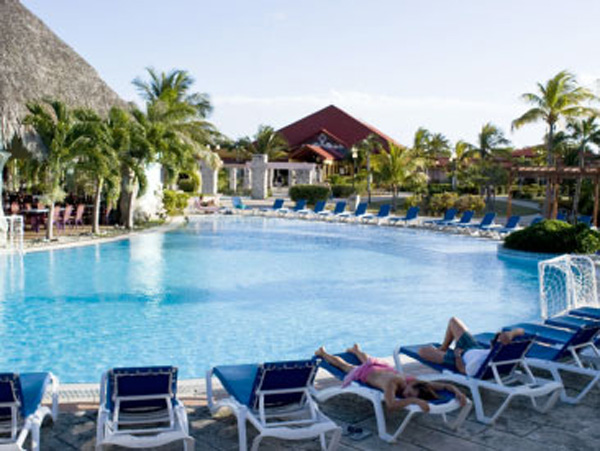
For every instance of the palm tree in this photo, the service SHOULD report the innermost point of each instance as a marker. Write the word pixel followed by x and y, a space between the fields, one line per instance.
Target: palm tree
pixel 368 146
pixel 421 142
pixel 462 151
pixel 400 167
pixel 53 122
pixel 560 98
pixel 266 141
pixel 439 146
pixel 583 133
pixel 97 151
pixel 491 143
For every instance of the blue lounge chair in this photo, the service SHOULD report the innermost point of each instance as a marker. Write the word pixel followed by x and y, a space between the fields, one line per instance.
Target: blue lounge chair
pixel 277 205
pixel 382 214
pixel 275 398
pixel 505 371
pixel 360 211
pixel 411 215
pixel 464 220
pixel 559 348
pixel 585 219
pixel 300 205
pixel 561 216
pixel 139 409
pixel 238 204
pixel 319 207
pixel 511 225
pixel 445 404
pixel 536 220
pixel 21 411
pixel 339 209
pixel 449 216
pixel 487 223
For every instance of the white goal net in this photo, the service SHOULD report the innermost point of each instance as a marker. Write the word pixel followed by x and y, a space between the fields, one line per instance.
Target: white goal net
pixel 567 282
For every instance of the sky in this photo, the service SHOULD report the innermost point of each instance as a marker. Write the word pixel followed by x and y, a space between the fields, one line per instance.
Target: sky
pixel 448 66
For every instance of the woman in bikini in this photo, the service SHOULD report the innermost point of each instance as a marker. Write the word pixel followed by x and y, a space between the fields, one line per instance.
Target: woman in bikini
pixel 393 384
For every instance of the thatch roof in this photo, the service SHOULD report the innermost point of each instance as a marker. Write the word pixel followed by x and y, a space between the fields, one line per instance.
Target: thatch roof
pixel 37 64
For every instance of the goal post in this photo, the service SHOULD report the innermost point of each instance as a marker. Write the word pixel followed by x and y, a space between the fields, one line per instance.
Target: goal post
pixel 567 282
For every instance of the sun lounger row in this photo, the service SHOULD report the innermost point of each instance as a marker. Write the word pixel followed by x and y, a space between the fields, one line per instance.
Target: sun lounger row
pixel 139 407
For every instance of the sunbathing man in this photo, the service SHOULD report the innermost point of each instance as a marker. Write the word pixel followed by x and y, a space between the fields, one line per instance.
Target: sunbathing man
pixel 467 355
pixel 393 384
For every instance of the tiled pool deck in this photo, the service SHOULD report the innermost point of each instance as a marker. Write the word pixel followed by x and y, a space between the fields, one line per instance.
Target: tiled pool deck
pixel 566 427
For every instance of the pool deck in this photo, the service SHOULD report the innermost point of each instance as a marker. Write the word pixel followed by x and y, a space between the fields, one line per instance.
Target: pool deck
pixel 566 427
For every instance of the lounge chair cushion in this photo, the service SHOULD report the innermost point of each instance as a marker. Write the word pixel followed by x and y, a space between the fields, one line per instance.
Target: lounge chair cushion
pixel 238 380
pixel 28 389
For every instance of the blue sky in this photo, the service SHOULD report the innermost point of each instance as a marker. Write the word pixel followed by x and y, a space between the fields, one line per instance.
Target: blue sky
pixel 449 66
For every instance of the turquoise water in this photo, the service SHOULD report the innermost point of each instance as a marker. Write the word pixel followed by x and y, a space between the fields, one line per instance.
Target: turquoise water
pixel 238 289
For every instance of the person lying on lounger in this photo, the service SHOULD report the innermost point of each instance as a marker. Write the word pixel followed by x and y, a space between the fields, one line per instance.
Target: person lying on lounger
pixel 384 377
pixel 467 355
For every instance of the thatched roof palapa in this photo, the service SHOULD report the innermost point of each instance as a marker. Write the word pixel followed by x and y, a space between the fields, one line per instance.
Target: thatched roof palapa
pixel 36 64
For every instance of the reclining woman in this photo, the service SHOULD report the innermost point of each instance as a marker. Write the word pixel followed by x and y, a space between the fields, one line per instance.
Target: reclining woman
pixel 467 355
pixel 392 383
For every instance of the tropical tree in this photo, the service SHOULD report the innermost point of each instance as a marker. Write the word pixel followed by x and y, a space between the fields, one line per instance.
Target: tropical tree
pixel 175 126
pixel 400 167
pixel 584 133
pixel 97 150
pixel 439 146
pixel 53 122
pixel 421 142
pixel 367 147
pixel 266 141
pixel 559 98
pixel 491 146
pixel 459 159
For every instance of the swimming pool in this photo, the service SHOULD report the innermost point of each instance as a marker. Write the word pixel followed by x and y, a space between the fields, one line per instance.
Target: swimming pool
pixel 244 289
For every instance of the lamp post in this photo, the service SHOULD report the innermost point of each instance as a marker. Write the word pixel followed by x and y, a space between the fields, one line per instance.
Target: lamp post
pixel 354 157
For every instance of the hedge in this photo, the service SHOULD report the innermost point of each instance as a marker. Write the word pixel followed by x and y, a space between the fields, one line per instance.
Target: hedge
pixel 342 190
pixel 312 193
pixel 555 237
pixel 174 201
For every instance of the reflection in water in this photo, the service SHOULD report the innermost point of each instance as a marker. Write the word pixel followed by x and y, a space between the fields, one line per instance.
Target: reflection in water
pixel 147 265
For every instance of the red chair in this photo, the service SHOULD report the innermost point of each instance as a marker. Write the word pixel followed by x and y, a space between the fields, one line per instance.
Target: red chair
pixel 78 221
pixel 67 216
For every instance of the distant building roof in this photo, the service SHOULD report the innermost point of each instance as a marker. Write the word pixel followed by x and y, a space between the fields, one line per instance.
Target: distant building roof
pixel 526 152
pixel 336 123
pixel 304 150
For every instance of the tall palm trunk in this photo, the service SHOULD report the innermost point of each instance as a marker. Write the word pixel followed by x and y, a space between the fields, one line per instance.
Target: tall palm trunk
pixel 128 195
pixel 97 200
pixel 50 223
pixel 548 201
pixel 578 185
pixel 394 197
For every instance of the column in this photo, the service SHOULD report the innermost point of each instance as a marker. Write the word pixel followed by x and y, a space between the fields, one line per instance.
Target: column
pixel 232 179
pixel 247 178
pixel 260 176
pixel 210 178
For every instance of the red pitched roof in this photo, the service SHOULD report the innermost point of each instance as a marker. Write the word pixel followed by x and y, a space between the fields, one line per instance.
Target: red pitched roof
pixel 337 123
pixel 323 153
pixel 527 152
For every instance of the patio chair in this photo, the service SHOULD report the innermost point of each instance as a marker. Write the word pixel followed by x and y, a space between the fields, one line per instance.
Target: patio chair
pixel 536 220
pixel 66 217
pixel 139 409
pixel 465 219
pixel 275 398
pixel 449 216
pixel 445 404
pixel 56 219
pixel 238 204
pixel 339 209
pixel 319 207
pixel 411 215
pixel 277 205
pixel 585 219
pixel 21 411
pixel 357 214
pixel 300 205
pixel 561 216
pixel 558 348
pixel 511 225
pixel 486 223
pixel 505 371
pixel 78 220
pixel 382 215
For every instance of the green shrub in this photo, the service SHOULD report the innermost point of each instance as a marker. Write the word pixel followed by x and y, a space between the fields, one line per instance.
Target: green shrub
pixel 467 189
pixel 555 237
pixel 174 201
pixel 442 202
pixel 413 201
pixel 437 188
pixel 470 202
pixel 342 190
pixel 312 193
pixel 528 192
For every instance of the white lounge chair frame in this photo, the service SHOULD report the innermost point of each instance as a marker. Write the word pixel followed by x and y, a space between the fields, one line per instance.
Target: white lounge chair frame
pixel 310 422
pixel 109 432
pixel 32 423
pixel 517 383
pixel 376 397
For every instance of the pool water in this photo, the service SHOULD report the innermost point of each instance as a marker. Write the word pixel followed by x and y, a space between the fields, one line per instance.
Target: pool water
pixel 247 289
